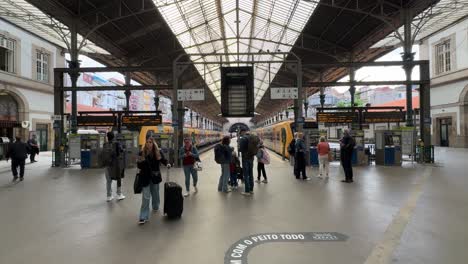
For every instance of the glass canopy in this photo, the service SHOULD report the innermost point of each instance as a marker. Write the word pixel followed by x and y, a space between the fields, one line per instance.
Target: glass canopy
pixel 233 27
pixel 27 16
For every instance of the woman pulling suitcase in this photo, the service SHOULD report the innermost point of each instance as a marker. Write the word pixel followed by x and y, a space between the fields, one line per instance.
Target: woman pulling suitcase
pixel 149 163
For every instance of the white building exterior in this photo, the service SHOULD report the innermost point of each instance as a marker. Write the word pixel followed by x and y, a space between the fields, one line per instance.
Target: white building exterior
pixel 447 51
pixel 26 83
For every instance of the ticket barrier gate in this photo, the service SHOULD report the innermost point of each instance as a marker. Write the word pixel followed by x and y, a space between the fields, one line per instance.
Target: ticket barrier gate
pixel 91 149
pixel 388 151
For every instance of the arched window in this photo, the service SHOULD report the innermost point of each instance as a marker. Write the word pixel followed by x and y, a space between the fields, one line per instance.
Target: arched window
pixel 8 108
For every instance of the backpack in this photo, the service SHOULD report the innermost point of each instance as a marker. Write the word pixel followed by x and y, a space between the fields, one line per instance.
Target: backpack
pixel 292 147
pixel 219 154
pixel 112 156
pixel 265 157
pixel 252 147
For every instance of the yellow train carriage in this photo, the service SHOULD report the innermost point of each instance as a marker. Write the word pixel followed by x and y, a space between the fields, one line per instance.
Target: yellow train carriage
pixel 278 136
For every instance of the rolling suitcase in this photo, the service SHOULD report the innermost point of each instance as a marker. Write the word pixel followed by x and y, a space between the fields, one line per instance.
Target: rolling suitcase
pixel 173 199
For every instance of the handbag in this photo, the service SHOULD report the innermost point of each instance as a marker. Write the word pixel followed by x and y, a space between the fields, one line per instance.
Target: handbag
pixel 156 177
pixel 330 157
pixel 198 166
pixel 136 184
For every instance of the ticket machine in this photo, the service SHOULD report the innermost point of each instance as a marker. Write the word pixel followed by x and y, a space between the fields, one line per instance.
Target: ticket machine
pixel 129 141
pixel 359 155
pixel 388 149
pixel 312 136
pixel 91 148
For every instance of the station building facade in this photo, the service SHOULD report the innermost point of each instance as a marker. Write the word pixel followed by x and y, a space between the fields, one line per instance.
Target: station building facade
pixel 26 84
pixel 447 51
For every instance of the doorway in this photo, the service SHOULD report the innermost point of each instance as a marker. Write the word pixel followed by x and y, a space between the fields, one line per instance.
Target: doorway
pixel 42 136
pixel 445 125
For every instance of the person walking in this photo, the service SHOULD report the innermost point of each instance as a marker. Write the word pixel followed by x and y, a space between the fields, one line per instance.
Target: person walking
pixel 18 152
pixel 113 158
pixel 189 154
pixel 262 159
pixel 323 150
pixel 149 163
pixel 225 150
pixel 248 149
pixel 33 148
pixel 300 157
pixel 346 153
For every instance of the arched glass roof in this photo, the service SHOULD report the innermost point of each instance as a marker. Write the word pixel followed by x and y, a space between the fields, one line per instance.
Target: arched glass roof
pixel 235 26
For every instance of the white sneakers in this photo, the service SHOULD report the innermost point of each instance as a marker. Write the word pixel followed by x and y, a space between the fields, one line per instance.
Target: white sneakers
pixel 246 193
pixel 186 194
pixel 119 197
pixel 195 189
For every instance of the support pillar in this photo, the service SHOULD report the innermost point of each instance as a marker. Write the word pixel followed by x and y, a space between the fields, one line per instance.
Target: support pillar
pixel 59 133
pixel 177 113
pixel 352 87
pixel 425 111
pixel 322 93
pixel 408 56
pixel 127 92
pixel 74 64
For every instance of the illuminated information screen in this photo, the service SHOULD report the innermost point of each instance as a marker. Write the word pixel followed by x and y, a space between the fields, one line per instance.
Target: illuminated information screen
pixel 142 120
pixel 337 117
pixel 237 92
pixel 383 117
pixel 96 120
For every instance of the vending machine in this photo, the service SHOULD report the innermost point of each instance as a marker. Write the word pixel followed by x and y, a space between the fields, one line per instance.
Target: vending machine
pixel 388 150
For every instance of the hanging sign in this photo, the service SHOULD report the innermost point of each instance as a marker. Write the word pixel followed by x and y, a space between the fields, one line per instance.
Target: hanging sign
pixel 284 93
pixel 237 92
pixel 191 95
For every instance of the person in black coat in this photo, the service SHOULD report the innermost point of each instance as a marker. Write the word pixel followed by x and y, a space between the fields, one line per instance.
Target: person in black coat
pixel 18 152
pixel 346 153
pixel 149 164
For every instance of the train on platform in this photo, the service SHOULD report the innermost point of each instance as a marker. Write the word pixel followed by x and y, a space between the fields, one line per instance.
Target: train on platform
pixel 163 135
pixel 278 136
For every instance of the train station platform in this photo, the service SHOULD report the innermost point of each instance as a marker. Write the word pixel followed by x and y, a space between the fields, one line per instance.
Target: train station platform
pixel 409 214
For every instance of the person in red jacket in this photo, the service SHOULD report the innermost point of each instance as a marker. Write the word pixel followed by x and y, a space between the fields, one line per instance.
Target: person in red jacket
pixel 323 149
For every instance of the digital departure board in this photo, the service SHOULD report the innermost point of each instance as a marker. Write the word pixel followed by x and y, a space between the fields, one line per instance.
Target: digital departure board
pixel 142 120
pixel 90 120
pixel 383 117
pixel 337 117
pixel 237 92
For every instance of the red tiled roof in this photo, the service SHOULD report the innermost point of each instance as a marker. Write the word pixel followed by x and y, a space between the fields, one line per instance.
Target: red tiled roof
pixel 402 102
pixel 85 108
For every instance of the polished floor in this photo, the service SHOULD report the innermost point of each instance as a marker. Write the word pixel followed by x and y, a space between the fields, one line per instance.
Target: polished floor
pixel 413 214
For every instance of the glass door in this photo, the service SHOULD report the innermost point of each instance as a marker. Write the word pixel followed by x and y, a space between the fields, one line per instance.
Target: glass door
pixel 444 131
pixel 42 136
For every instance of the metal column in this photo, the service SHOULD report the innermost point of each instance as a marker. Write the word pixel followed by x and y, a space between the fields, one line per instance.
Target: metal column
pixel 408 56
pixel 74 64
pixel 127 92
pixel 58 124
pixel 425 110
pixel 177 112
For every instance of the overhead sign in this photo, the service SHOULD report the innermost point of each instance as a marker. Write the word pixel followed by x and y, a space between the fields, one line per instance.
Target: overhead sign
pixel 142 120
pixel 284 93
pixel 383 117
pixel 191 95
pixel 56 117
pixel 337 117
pixel 89 120
pixel 237 92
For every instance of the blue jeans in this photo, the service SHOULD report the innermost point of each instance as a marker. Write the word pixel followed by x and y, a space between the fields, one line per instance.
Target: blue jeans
pixel 233 179
pixel 150 191
pixel 223 179
pixel 188 169
pixel 247 168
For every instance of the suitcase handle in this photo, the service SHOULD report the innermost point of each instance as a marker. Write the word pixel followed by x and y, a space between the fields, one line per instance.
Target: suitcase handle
pixel 167 174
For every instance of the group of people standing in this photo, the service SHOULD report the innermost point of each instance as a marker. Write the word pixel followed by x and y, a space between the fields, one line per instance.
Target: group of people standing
pixel 297 155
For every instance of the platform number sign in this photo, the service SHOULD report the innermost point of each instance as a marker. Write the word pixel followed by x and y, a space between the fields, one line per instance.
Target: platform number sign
pixel 191 95
pixel 284 93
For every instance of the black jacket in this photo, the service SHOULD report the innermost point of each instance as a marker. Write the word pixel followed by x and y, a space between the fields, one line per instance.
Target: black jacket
pixel 147 166
pixel 347 146
pixel 18 150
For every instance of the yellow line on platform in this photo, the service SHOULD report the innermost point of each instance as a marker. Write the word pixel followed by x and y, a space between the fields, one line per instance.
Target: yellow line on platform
pixel 383 251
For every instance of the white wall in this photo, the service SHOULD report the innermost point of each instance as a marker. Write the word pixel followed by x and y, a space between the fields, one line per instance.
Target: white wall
pixel 448 93
pixel 461 40
pixel 25 50
pixel 38 101
pixel 447 110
